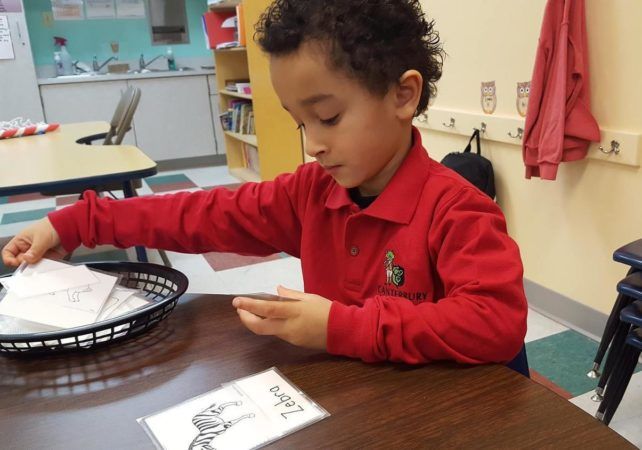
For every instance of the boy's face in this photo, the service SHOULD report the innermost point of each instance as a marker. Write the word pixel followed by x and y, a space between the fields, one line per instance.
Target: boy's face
pixel 357 136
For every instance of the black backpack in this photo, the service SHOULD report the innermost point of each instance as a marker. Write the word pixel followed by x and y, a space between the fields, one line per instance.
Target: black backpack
pixel 473 167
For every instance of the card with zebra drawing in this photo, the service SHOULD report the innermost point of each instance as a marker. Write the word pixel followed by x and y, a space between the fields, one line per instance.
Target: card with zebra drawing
pixel 240 415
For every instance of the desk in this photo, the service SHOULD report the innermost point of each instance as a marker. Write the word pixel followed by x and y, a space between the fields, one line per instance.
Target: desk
pixel 54 161
pixel 91 400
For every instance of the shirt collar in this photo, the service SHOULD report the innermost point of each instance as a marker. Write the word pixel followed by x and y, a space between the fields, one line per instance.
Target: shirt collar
pixel 398 201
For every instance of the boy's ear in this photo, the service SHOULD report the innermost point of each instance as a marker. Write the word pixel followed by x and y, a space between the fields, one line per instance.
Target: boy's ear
pixel 408 93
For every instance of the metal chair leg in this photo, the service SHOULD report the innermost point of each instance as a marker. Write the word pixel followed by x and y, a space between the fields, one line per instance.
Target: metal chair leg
pixel 614 396
pixel 609 331
pixel 613 356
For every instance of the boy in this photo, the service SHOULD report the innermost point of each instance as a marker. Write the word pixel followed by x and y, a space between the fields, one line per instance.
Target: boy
pixel 402 259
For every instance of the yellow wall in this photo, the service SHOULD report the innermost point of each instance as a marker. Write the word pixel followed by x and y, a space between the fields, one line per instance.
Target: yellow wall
pixel 567 229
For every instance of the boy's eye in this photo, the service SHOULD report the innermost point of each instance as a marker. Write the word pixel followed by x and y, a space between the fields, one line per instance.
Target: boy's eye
pixel 330 121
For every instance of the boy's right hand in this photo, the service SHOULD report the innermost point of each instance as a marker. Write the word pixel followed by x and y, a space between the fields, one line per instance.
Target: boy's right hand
pixel 31 244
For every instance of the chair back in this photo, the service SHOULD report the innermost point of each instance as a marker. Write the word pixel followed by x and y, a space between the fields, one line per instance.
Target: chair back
pixel 121 121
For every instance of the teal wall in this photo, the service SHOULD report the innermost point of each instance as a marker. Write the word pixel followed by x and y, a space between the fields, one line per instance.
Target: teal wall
pixel 90 37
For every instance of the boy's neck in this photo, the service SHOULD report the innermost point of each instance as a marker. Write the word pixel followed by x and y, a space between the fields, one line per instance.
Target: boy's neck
pixel 376 185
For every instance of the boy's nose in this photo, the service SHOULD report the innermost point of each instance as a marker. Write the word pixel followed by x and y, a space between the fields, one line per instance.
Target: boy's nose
pixel 313 147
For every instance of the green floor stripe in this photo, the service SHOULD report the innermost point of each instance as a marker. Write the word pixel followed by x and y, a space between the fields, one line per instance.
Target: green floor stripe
pixel 25 216
pixel 565 358
pixel 166 179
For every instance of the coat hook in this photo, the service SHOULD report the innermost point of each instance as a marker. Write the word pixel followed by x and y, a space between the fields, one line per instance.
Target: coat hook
pixel 423 118
pixel 482 128
pixel 451 124
pixel 615 148
pixel 519 135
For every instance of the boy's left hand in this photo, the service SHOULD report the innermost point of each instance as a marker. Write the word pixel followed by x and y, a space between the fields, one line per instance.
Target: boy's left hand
pixel 303 323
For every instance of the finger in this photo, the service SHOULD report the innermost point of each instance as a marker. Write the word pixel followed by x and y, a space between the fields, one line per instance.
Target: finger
pixel 257 325
pixel 10 253
pixel 36 251
pixel 291 293
pixel 263 308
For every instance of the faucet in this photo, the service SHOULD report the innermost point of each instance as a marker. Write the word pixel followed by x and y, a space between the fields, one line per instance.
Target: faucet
pixel 77 68
pixel 97 67
pixel 142 64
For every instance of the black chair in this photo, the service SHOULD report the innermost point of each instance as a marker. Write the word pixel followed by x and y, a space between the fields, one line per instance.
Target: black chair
pixel 520 363
pixel 629 289
pixel 624 371
pixel 631 255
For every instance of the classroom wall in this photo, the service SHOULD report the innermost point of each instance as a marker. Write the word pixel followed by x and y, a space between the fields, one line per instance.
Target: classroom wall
pixel 91 37
pixel 567 229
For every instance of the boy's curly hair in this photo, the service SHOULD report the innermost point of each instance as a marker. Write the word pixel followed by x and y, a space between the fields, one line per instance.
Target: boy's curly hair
pixel 375 41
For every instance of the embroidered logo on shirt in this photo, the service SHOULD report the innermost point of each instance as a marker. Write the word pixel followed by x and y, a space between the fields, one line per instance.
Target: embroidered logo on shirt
pixel 394 274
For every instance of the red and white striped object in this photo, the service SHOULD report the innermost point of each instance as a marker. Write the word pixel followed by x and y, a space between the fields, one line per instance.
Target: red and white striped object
pixel 39 128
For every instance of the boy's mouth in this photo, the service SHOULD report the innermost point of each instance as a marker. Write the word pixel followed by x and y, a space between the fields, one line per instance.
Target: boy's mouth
pixel 331 169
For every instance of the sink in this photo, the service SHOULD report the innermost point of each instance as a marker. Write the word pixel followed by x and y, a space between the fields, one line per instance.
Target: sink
pixel 81 75
pixel 138 71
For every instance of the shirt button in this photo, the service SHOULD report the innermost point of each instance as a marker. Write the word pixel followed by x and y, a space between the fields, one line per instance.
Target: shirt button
pixel 354 250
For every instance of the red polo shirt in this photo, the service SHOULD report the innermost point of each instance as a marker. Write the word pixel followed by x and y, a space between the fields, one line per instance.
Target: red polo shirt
pixel 427 272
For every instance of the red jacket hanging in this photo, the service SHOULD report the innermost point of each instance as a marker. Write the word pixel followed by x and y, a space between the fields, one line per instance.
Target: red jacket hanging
pixel 559 125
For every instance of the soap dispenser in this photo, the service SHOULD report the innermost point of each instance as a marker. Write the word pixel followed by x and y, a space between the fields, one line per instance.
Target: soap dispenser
pixel 171 62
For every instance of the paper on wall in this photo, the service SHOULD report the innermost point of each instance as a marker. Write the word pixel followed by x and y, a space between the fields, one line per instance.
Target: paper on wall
pixel 130 9
pixel 100 9
pixel 67 9
pixel 6 46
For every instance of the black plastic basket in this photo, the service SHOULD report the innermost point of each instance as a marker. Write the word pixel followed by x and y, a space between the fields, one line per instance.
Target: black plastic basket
pixel 161 285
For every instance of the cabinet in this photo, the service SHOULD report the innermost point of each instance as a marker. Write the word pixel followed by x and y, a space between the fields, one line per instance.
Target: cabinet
pixel 277 139
pixel 174 119
pixel 214 107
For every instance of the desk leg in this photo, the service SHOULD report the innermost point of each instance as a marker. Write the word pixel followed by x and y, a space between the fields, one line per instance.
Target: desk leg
pixel 141 254
pixel 129 191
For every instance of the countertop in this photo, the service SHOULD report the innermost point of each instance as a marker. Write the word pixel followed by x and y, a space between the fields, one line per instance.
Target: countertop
pixel 125 76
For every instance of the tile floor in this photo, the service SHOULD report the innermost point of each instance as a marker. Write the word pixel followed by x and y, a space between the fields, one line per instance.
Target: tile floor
pixel 559 357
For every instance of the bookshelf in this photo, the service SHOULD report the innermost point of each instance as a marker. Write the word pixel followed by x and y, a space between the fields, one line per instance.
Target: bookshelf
pixel 278 142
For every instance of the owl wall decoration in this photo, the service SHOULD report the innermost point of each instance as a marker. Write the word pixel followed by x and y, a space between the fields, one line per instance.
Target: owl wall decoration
pixel 488 97
pixel 523 91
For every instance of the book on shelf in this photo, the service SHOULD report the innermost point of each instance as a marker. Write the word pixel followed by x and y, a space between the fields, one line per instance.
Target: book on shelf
pixel 250 157
pixel 240 24
pixel 239 117
pixel 233 85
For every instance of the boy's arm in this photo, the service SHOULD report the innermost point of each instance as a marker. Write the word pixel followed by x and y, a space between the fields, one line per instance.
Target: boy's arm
pixel 258 219
pixel 482 317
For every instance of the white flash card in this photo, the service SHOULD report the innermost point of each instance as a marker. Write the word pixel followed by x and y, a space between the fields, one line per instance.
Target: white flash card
pixel 26 286
pixel 284 405
pixel 244 414
pixel 221 419
pixel 69 308
pixel 116 298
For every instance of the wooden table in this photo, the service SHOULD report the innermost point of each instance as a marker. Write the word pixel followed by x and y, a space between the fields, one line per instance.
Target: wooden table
pixel 92 400
pixel 55 161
